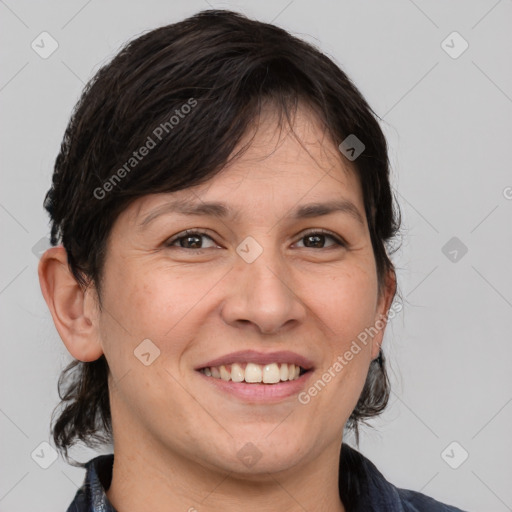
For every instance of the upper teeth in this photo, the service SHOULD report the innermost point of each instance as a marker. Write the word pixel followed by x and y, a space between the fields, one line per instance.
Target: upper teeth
pixel 251 372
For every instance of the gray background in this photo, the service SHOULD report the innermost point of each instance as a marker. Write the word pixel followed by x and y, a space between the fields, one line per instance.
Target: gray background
pixel 448 123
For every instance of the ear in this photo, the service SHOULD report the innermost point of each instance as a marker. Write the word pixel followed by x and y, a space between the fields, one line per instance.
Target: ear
pixel 74 309
pixel 384 303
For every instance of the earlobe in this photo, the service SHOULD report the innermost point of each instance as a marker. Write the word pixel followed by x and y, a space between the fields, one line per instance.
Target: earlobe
pixel 385 302
pixel 76 324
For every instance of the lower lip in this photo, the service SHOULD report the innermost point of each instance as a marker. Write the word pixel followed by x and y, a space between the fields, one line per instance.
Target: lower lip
pixel 264 393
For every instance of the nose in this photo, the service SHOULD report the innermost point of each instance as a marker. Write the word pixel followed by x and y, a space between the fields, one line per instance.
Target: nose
pixel 263 296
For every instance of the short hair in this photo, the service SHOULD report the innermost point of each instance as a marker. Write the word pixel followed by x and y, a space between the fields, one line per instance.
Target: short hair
pixel 194 88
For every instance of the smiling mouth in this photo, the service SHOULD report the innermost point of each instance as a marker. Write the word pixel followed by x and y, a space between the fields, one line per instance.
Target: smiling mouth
pixel 253 373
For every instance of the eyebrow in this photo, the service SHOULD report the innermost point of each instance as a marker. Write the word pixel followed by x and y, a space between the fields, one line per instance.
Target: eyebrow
pixel 222 210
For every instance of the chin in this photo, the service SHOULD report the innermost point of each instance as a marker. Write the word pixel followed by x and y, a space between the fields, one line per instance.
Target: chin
pixel 253 460
pixel 260 467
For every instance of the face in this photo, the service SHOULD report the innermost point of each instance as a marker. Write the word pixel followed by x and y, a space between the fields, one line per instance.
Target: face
pixel 264 281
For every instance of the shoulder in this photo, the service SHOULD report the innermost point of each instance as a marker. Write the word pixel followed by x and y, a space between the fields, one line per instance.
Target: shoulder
pixel 414 501
pixel 363 487
pixel 91 496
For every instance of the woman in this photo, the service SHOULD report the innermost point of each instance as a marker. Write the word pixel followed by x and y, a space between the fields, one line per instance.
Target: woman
pixel 220 212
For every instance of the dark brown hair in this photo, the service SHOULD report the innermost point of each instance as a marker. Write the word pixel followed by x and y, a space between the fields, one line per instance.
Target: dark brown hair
pixel 224 67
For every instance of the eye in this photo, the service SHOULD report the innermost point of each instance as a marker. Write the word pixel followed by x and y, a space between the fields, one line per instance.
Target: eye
pixel 189 239
pixel 316 239
pixel 192 239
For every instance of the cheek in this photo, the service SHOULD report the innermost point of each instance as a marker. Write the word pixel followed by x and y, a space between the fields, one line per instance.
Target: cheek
pixel 151 299
pixel 347 307
pixel 155 303
pixel 346 310
pixel 142 306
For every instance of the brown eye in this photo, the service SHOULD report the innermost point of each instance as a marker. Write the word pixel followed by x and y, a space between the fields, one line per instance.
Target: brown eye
pixel 189 240
pixel 317 240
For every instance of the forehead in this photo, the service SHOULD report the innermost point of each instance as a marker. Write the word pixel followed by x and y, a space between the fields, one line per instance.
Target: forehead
pixel 273 138
pixel 280 167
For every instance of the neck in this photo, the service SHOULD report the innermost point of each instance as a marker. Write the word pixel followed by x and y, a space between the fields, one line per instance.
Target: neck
pixel 148 478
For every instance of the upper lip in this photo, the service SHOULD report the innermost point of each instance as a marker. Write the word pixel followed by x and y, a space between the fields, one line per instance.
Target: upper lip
pixel 253 356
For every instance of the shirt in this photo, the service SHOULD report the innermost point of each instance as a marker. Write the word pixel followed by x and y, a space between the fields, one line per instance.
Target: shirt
pixel 362 488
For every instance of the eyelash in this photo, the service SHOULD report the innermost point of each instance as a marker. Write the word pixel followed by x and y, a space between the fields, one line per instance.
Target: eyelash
pixel 190 232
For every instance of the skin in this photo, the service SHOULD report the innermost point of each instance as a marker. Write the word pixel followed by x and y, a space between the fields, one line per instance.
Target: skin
pixel 176 437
